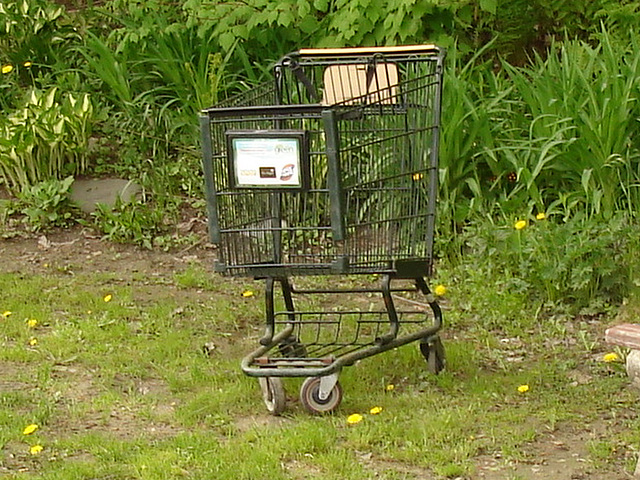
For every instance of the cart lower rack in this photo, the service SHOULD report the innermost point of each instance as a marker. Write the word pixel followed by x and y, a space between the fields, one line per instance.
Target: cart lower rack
pixel 331 169
pixel 318 344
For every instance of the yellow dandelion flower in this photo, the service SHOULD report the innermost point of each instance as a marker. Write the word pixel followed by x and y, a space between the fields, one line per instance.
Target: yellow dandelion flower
pixel 108 298
pixel 440 290
pixel 523 388
pixel 611 357
pixel 520 224
pixel 6 313
pixel 7 69
pixel 29 429
pixel 35 449
pixel 375 410
pixel 32 323
pixel 247 293
pixel 33 341
pixel 541 216
pixel 26 64
pixel 354 418
pixel 390 387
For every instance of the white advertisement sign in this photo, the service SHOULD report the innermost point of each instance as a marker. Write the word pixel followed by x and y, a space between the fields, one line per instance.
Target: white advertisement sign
pixel 267 162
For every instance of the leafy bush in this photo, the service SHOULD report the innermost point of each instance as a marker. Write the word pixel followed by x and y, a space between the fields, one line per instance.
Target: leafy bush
pixel 132 222
pixel 576 127
pixel 575 262
pixel 35 41
pixel 558 135
pixel 521 28
pixel 270 29
pixel 47 204
pixel 32 31
pixel 46 138
pixel 154 82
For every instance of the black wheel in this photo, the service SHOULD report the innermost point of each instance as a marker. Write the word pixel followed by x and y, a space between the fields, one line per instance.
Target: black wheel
pixel 292 348
pixel 310 397
pixel 433 352
pixel 273 394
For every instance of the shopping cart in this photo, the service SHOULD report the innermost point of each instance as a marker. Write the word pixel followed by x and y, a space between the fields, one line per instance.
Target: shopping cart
pixel 331 168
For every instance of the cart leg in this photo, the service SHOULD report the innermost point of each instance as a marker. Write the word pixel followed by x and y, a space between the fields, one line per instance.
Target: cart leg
pixel 287 293
pixel 433 352
pixel 431 347
pixel 391 312
pixel 269 312
pixel 290 346
pixel 421 284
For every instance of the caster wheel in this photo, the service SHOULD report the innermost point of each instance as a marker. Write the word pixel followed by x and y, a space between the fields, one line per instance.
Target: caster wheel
pixel 310 397
pixel 433 352
pixel 273 394
pixel 292 348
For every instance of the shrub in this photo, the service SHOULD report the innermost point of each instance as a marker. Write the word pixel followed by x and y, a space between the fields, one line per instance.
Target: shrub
pixel 576 262
pixel 47 204
pixel 46 138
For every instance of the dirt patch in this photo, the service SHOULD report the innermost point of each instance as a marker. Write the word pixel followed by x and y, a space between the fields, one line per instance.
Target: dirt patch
pixel 561 455
pixel 244 424
pixel 80 249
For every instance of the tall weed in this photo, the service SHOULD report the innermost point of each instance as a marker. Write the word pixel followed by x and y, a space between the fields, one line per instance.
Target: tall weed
pixel 475 105
pixel 155 82
pixel 584 99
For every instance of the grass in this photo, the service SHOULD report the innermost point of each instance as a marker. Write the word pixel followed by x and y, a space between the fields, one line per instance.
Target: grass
pixel 121 389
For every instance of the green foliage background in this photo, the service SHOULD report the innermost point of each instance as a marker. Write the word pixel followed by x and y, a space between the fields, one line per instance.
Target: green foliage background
pixel 540 115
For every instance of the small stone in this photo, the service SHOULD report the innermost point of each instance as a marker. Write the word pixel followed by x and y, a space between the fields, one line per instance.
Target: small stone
pixel 633 367
pixel 208 348
pixel 88 193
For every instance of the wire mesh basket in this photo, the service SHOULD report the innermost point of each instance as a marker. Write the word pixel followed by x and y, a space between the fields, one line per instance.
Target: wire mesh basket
pixel 329 168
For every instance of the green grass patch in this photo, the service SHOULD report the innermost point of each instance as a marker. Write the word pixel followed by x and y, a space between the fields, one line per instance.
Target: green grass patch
pixel 114 374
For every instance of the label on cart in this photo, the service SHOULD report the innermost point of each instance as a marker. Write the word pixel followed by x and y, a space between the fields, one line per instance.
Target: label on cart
pixel 269 159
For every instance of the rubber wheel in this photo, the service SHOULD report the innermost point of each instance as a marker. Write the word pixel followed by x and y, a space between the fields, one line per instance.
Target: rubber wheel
pixel 310 397
pixel 292 348
pixel 273 394
pixel 433 352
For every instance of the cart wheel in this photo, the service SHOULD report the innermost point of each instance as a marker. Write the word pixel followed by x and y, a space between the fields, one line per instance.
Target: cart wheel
pixel 273 394
pixel 310 397
pixel 433 352
pixel 292 348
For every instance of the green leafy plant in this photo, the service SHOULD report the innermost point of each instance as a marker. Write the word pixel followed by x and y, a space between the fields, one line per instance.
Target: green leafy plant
pixel 576 262
pixel 476 105
pixel 35 36
pixel 46 138
pixel 131 222
pixel 584 101
pixel 47 204
pixel 155 81
pixel 270 29
pixel 558 135
pixel 30 30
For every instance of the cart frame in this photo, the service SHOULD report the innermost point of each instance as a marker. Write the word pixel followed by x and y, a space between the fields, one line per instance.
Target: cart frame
pixel 324 117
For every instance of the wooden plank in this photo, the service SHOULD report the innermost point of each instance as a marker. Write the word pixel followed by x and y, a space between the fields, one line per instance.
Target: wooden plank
pixel 313 52
pixel 625 335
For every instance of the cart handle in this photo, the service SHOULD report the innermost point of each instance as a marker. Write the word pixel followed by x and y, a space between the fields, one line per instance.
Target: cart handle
pixel 404 49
